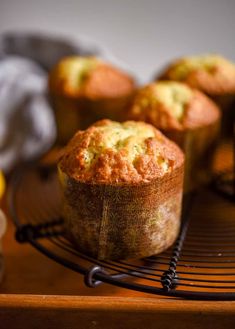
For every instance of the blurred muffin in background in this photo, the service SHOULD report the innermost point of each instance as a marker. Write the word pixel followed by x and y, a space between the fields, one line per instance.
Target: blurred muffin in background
pixel 186 116
pixel 2 184
pixel 3 223
pixel 85 89
pixel 212 74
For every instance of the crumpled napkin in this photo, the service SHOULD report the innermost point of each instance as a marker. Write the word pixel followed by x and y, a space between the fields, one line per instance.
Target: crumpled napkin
pixel 27 126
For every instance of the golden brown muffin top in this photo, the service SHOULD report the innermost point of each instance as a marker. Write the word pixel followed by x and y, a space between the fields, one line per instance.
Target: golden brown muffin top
pixel 212 74
pixel 171 105
pixel 89 77
pixel 109 152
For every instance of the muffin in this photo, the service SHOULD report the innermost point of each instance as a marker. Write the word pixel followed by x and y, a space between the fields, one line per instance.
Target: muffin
pixel 213 75
pixel 84 90
pixel 186 116
pixel 3 224
pixel 122 186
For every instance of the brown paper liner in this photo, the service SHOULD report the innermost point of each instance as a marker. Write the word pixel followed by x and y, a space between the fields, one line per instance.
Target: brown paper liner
pixel 226 103
pixel 74 114
pixel 199 146
pixel 113 108
pixel 123 221
pixel 71 115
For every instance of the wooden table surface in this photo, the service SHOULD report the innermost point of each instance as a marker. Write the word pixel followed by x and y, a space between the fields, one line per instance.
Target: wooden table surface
pixel 39 293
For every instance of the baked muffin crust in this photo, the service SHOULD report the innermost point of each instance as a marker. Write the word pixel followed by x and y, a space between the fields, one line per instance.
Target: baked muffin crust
pixel 117 153
pixel 173 105
pixel 88 77
pixel 213 74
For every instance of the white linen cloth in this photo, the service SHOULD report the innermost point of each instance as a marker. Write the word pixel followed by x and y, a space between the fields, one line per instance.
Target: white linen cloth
pixel 27 126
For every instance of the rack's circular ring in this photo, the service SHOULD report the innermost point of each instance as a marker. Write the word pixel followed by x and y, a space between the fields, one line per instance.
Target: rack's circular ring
pixel 89 279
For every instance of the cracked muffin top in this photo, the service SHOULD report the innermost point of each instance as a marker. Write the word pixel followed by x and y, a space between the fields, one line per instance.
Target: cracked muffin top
pixel 212 74
pixel 173 105
pixel 89 77
pixel 109 152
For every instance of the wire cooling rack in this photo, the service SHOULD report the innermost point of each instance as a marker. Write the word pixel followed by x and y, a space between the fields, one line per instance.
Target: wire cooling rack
pixel 201 264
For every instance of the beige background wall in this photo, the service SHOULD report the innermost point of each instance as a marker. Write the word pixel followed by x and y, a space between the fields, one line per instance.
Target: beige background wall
pixel 144 34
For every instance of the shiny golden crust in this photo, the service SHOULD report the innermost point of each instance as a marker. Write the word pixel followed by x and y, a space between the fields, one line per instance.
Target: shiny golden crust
pixel 211 74
pixel 89 78
pixel 117 153
pixel 170 105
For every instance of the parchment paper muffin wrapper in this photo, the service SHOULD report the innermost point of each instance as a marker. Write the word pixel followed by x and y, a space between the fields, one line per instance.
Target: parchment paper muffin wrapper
pixel 70 115
pixel 73 114
pixel 226 103
pixel 118 222
pixel 199 146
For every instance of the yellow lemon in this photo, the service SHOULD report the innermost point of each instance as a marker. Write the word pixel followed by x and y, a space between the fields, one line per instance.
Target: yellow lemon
pixel 2 184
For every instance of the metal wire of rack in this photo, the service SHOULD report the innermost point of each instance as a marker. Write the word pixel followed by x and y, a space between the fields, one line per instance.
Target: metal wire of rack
pixel 200 265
